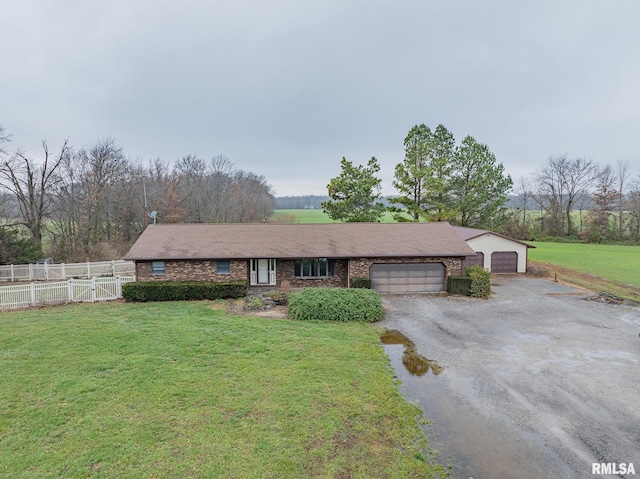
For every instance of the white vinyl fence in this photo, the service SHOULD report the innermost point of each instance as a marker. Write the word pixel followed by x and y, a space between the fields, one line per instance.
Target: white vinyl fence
pixel 73 290
pixel 62 271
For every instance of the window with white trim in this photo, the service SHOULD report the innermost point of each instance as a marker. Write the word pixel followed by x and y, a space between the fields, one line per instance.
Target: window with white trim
pixel 313 268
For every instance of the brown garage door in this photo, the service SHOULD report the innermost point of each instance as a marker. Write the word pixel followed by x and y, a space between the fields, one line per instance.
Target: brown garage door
pixel 408 277
pixel 504 262
pixel 478 260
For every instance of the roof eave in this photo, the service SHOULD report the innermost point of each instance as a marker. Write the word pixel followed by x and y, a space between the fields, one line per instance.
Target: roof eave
pixel 458 254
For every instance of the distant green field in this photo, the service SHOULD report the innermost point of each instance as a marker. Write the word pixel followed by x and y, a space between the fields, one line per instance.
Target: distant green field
pixel 615 262
pixel 311 216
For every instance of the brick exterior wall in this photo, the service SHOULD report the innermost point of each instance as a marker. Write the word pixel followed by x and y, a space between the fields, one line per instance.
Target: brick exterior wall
pixel 192 270
pixel 342 270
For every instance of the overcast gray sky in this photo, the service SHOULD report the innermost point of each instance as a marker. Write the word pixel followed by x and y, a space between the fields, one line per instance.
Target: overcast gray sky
pixel 286 88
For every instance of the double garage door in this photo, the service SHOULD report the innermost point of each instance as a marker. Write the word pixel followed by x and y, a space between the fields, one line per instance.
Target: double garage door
pixel 408 277
pixel 501 261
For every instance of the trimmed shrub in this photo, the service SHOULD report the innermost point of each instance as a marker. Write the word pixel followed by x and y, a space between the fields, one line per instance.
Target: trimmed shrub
pixel 182 290
pixel 335 304
pixel 480 281
pixel 364 283
pixel 459 285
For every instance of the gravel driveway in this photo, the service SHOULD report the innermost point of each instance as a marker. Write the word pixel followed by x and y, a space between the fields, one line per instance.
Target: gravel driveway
pixel 537 381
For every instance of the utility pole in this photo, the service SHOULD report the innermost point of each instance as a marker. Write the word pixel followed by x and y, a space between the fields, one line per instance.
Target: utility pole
pixel 144 193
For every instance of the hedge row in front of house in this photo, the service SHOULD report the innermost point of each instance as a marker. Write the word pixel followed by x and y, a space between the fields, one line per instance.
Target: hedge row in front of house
pixel 335 304
pixel 182 290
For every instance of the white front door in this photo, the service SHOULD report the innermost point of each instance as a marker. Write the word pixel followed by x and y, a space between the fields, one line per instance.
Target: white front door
pixel 263 271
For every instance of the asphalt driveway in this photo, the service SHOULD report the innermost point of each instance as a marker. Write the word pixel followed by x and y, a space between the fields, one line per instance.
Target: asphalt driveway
pixel 538 381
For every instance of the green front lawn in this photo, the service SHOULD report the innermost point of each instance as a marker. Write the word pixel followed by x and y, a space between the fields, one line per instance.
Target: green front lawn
pixel 183 390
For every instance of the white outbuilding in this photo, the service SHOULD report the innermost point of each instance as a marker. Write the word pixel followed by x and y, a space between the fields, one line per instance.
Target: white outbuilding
pixel 495 252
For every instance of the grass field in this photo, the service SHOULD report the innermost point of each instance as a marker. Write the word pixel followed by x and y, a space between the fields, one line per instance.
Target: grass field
pixel 184 390
pixel 311 216
pixel 611 268
pixel 318 216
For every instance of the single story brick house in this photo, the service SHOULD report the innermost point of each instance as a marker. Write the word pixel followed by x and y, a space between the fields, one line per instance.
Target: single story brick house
pixel 397 257
pixel 495 252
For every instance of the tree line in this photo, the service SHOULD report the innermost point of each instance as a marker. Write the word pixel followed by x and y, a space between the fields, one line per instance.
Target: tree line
pixel 300 202
pixel 436 181
pixel 94 201
pixel 578 198
pixel 465 185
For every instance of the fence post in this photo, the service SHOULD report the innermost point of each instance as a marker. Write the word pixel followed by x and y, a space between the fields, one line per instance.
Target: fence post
pixel 12 275
pixel 30 272
pixel 63 272
pixel 93 290
pixel 33 294
pixel 46 272
pixel 70 289
pixel 118 287
pixel 88 269
pixel 113 267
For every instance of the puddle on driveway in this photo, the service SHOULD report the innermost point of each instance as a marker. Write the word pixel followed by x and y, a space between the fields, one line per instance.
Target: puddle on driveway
pixel 473 444
pixel 413 362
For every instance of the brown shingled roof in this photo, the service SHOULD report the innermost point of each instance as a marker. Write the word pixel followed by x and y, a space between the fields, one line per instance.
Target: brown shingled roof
pixel 286 241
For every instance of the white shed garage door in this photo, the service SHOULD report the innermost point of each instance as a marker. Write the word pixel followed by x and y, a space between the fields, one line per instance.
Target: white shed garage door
pixel 504 262
pixel 408 277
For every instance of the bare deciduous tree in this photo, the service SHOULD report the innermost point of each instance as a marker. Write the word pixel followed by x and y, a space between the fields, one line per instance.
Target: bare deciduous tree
pixel 605 198
pixel 193 173
pixel 5 197
pixel 218 192
pixel 4 138
pixel 98 200
pixel 622 173
pixel 560 182
pixel 632 206
pixel 32 185
pixel 520 228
